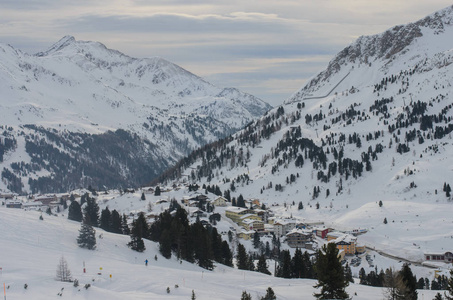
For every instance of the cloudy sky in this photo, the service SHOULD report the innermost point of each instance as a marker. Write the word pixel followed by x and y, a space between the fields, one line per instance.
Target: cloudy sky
pixel 266 48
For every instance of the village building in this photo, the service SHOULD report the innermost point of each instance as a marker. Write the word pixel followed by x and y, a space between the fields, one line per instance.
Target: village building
pixel 220 202
pixel 252 224
pixel 13 204
pixel 282 227
pixel 441 257
pixel 300 238
pixel 246 234
pixel 34 205
pixel 322 232
pixel 345 242
pixel 6 196
pixel 235 213
pixel 47 200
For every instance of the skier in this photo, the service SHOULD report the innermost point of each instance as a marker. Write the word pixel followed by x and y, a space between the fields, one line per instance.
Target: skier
pixel 146 262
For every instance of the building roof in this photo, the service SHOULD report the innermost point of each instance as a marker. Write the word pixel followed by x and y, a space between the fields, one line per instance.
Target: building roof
pixel 236 209
pixel 250 221
pixel 299 231
pixel 345 238
pixel 247 216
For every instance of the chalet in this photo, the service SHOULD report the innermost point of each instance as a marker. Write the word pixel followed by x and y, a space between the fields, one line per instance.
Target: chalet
pixel 235 213
pixel 199 197
pixel 282 227
pixel 6 196
pixel 198 213
pixel 161 201
pixel 13 204
pixel 254 203
pixel 442 257
pixel 220 201
pixel 148 190
pixel 48 200
pixel 34 205
pixel 300 238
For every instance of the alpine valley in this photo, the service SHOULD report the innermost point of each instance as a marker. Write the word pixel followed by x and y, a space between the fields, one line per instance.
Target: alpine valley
pixel 364 149
pixel 81 114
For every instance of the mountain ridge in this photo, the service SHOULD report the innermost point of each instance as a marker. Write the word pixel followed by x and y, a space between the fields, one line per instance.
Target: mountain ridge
pixel 84 87
pixel 371 131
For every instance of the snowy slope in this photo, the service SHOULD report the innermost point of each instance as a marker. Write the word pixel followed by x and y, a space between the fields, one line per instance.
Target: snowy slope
pixel 391 91
pixel 84 87
pixel 32 259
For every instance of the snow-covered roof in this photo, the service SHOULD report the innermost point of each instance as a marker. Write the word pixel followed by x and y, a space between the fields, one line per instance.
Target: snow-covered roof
pixel 299 231
pixel 236 209
pixel 250 221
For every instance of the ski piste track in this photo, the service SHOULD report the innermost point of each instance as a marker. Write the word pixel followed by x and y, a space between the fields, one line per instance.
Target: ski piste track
pixel 328 94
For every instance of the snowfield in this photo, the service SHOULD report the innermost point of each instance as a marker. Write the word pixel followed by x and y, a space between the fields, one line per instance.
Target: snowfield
pixel 31 249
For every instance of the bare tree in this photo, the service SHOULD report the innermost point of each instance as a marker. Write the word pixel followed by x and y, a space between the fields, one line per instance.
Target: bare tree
pixel 393 284
pixel 63 272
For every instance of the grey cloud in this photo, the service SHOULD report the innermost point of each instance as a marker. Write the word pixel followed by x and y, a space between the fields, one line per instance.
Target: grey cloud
pixel 163 23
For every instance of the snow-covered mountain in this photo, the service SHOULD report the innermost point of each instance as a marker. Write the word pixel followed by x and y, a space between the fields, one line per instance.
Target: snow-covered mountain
pixel 375 125
pixel 80 113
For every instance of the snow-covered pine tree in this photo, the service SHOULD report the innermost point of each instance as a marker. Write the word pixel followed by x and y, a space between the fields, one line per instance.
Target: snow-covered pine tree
pixel 87 237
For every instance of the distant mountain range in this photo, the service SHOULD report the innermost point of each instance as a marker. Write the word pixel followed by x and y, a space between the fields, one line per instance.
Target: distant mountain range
pixel 81 114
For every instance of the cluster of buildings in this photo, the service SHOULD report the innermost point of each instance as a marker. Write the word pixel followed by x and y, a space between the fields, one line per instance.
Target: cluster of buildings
pixel 40 202
pixel 296 234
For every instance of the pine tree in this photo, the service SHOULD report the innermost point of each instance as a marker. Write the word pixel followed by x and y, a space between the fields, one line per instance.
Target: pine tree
pixel 285 264
pixel 91 210
pixel 438 297
pixel 63 272
pixel 124 226
pixel 348 273
pixel 116 222
pixel 75 212
pixel 227 256
pixel 300 206
pixel 330 272
pixel 241 201
pixel 157 191
pixel 143 198
pixel 245 296
pixel 256 240
pixel 297 265
pixel 270 295
pixel 137 244
pixel 140 227
pixel 241 258
pixel 87 237
pixel 410 283
pixel 165 244
pixel 139 231
pixel 106 220
pixel 262 265
pixel 449 287
pixel 250 263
